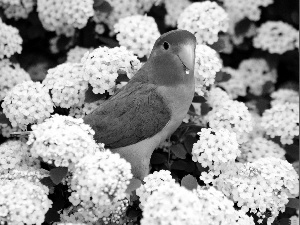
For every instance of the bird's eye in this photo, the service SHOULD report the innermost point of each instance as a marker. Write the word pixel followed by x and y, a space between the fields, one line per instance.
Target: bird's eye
pixel 166 45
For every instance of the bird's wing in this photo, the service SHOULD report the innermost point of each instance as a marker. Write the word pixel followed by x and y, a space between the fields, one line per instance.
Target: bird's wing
pixel 135 113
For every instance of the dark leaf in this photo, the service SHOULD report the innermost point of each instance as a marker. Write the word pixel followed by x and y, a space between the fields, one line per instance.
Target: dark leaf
pixel 62 42
pixel 293 203
pixel 47 182
pixel 285 221
pixel 4 119
pixel 133 213
pixel 293 151
pixel 90 96
pixel 109 42
pixel 179 151
pixel 199 99
pixel 179 165
pixel 52 216
pixel 222 77
pixel 262 104
pixel 133 185
pixel 242 27
pixel 205 108
pixel 97 4
pixel 158 158
pixel 219 45
pixel 57 174
pixel 102 6
pixel 200 167
pixel 189 182
pixel 190 167
pixel 122 76
pixel 267 87
pixel 189 142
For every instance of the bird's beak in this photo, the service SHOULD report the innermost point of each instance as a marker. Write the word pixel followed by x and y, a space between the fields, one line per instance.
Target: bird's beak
pixel 187 56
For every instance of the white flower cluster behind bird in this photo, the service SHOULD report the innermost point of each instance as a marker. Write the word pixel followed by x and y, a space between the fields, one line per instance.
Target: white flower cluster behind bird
pixel 282 120
pixel 99 180
pixel 23 202
pixel 27 103
pixel 282 96
pixel 258 148
pixel 276 37
pixel 207 64
pixel 67 84
pixel 205 20
pixel 102 65
pixel 174 10
pixel 11 75
pixel 261 186
pixel 17 9
pixel 75 54
pixel 64 16
pixel 10 40
pixel 137 33
pixel 85 109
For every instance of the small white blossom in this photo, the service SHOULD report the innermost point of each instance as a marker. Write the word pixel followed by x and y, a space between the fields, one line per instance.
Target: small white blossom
pixel 17 8
pixel 174 10
pixel 85 109
pixel 75 54
pixel 282 96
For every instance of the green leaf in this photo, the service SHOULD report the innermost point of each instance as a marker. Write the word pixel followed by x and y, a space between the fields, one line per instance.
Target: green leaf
pixel 267 87
pixel 133 185
pixel 90 96
pixel 179 165
pixel 199 99
pixel 222 77
pixel 189 182
pixel 158 158
pixel 218 46
pixel 47 182
pixel 4 119
pixel 285 221
pixel 111 43
pixel 293 203
pixel 189 142
pixel 52 216
pixel 133 213
pixel 293 151
pixel 102 6
pixel 205 108
pixel 262 104
pixel 179 151
pixel 97 4
pixel 57 174
pixel 242 26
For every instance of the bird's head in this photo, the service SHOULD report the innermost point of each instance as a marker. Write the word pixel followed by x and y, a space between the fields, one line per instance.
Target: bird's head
pixel 173 57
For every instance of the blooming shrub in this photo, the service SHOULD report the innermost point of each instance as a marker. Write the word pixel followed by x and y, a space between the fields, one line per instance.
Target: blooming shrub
pixel 234 159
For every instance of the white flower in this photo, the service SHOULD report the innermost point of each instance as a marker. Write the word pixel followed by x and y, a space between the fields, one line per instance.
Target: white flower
pixel 99 181
pixel 216 96
pixel 17 8
pixel 174 10
pixel 172 204
pixel 75 54
pixel 137 33
pixel 102 65
pixel 10 40
pixel 282 120
pixel 62 140
pixel 11 75
pixel 152 183
pixel 62 16
pixel 85 109
pixel 260 147
pixel 276 37
pixel 282 96
pixel 23 202
pixel 27 103
pixel 67 84
pixel 207 64
pixel 205 20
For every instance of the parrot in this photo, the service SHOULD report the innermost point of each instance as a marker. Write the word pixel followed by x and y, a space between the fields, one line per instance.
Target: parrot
pixel 152 105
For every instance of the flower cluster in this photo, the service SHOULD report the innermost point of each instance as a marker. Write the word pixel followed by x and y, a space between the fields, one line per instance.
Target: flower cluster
pixel 17 8
pixel 63 16
pixel 10 41
pixel 172 204
pixel 118 214
pixel 103 64
pixel 75 54
pixel 233 116
pixel 99 181
pixel 85 109
pixel 137 33
pixel 152 183
pixel 27 103
pixel 215 148
pixel 205 20
pixel 216 208
pixel 236 85
pixel 246 8
pixel 23 202
pixel 174 10
pixel 260 148
pixel 216 96
pixel 255 73
pixel 282 96
pixel 11 75
pixel 67 84
pixel 276 37
pixel 207 64
pixel 15 155
pixel 261 186
pixel 62 140
pixel 282 120
pixel 6 129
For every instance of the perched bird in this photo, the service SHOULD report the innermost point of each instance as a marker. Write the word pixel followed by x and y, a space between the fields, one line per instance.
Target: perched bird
pixel 146 111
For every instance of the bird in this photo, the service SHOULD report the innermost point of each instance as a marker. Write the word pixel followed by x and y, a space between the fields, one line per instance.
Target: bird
pixel 152 105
